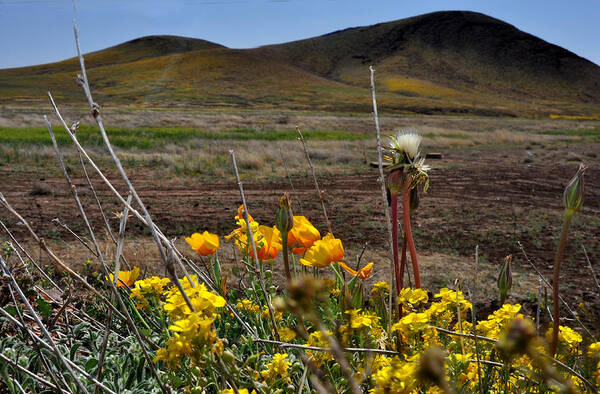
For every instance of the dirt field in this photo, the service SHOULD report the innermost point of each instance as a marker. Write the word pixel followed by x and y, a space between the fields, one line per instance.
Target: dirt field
pixel 492 194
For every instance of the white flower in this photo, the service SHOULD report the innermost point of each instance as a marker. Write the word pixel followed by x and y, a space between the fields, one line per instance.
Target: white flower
pixel 406 142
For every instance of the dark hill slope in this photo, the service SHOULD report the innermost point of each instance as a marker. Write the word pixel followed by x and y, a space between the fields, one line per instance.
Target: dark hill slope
pixel 462 50
pixel 444 62
pixel 137 49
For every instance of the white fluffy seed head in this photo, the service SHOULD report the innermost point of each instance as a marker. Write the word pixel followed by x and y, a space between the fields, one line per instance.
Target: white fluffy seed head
pixel 407 142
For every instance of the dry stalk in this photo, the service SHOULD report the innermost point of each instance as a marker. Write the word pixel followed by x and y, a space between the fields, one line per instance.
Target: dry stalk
pixel 28 333
pixel 591 268
pixel 548 285
pixel 384 196
pixel 95 110
pixel 474 317
pixel 254 251
pixel 31 259
pixel 122 225
pixel 33 375
pixel 14 285
pixel 113 284
pixel 56 259
pixel 326 349
pixel 47 346
pixel 314 176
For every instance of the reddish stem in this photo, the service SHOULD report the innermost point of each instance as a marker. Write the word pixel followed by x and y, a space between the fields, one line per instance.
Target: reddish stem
pixel 403 261
pixel 556 281
pixel 408 234
pixel 394 204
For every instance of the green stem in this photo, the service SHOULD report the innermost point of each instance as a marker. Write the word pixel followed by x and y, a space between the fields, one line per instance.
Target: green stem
pixel 286 262
pixel 556 279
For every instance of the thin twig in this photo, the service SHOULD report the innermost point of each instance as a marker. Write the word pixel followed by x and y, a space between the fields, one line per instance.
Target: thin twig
pixel 95 110
pixel 383 195
pixel 33 375
pixel 326 349
pixel 79 238
pixel 559 296
pixel 56 259
pixel 115 278
pixel 47 346
pixel 113 284
pixel 474 317
pixel 41 325
pixel 314 176
pixel 261 279
pixel 290 179
pixel 591 268
pixel 31 259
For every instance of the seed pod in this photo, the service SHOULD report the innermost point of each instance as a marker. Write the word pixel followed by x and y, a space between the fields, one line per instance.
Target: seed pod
pixel 573 194
pixel 285 217
pixel 505 279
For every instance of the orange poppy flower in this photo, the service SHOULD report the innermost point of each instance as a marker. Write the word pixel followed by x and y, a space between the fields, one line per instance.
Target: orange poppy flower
pixel 324 252
pixel 270 243
pixel 205 244
pixel 302 235
pixel 363 273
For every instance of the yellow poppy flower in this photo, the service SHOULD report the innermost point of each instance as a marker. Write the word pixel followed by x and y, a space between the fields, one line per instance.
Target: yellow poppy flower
pixel 302 235
pixel 324 252
pixel 126 278
pixel 205 244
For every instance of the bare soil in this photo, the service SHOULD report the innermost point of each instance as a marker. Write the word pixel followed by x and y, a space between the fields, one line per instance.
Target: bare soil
pixel 493 198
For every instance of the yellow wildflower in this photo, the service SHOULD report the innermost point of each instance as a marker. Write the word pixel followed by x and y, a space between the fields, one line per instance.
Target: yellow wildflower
pixel 319 357
pixel 380 288
pixel 411 298
pixel 287 334
pixel 126 278
pixel 412 323
pixel 360 319
pixel 277 368
pixel 594 350
pixel 568 337
pixel 397 377
pixel 248 306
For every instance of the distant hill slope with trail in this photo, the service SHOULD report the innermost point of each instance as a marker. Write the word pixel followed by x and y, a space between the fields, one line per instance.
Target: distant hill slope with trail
pixel 443 62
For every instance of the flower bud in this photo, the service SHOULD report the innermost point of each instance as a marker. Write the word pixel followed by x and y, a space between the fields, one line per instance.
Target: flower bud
pixel 573 194
pixel 285 218
pixel 505 279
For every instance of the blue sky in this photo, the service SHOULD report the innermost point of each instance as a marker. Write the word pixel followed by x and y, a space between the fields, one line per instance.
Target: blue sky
pixel 39 31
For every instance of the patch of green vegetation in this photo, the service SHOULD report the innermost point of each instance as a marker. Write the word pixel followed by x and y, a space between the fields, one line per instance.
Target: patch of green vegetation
pixel 573 132
pixel 147 138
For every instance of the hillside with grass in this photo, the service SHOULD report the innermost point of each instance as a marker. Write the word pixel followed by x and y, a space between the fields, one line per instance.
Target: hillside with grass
pixel 450 62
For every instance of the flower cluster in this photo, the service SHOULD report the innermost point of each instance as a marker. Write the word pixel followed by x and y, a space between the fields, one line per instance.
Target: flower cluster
pixel 192 329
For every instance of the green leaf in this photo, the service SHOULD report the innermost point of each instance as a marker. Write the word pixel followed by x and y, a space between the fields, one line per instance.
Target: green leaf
pixel 11 310
pixel 44 307
pixel 140 369
pixel 90 364
pixel 73 350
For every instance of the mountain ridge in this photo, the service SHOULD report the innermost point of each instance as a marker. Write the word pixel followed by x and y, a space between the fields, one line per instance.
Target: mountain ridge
pixel 441 62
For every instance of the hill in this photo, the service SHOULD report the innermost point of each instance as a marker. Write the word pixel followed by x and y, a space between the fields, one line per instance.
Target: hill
pixel 443 62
